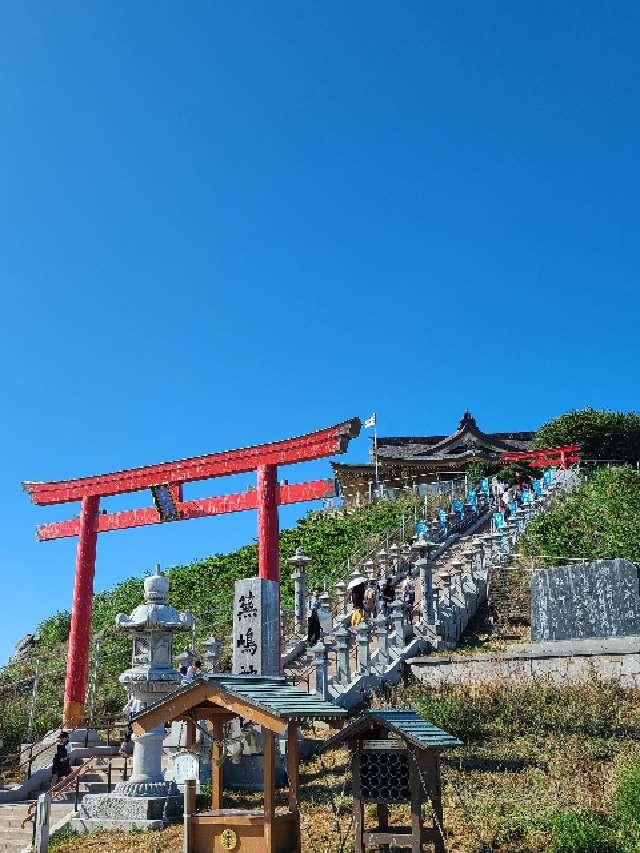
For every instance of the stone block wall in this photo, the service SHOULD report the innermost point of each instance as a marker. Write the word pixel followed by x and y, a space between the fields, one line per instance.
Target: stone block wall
pixel 559 663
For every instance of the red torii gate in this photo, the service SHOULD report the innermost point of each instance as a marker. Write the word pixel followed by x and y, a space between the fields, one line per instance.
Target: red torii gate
pixel 560 456
pixel 166 481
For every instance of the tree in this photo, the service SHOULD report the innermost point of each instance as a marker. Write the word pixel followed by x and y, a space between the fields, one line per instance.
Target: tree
pixel 603 434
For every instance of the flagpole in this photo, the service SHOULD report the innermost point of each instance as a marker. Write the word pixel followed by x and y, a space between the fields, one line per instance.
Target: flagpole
pixel 375 444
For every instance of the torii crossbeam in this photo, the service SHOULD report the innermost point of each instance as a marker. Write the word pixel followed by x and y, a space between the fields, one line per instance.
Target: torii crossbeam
pixel 166 481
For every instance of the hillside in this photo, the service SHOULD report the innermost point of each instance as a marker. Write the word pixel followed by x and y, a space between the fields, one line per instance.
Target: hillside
pixel 204 587
pixel 598 521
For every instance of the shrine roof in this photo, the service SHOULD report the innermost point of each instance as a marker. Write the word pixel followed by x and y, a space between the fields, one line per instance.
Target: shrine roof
pixel 243 695
pixel 404 722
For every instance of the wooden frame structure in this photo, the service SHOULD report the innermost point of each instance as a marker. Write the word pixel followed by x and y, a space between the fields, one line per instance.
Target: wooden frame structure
pixel 278 709
pixel 395 760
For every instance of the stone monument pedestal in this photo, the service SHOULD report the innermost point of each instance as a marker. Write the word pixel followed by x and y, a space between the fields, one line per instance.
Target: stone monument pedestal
pixel 118 811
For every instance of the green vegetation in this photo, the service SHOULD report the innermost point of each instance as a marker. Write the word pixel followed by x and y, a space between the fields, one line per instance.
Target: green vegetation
pixel 598 520
pixel 612 436
pixel 542 768
pixel 205 587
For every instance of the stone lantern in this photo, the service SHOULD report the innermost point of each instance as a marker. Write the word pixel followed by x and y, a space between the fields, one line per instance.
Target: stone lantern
pixel 300 563
pixel 150 678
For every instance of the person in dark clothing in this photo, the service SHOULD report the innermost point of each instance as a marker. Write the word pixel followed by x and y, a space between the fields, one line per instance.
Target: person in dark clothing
pixel 388 595
pixel 61 766
pixel 357 596
pixel 313 619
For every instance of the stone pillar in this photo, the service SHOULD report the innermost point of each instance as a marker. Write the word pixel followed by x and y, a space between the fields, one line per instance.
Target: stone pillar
pixel 186 658
pixel 362 635
pixel 322 669
pixel 381 558
pixel 397 617
pixel 147 778
pixel 299 562
pixel 426 590
pixel 343 674
pixel 382 635
pixel 341 595
pixel 43 811
pixel 324 612
pixel 212 650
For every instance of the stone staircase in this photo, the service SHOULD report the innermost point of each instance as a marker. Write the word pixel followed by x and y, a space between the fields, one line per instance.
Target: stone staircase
pixel 455 577
pixel 96 779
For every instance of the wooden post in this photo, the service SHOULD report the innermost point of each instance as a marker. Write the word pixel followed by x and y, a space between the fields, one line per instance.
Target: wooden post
pixel 269 785
pixel 217 765
pixel 436 799
pixel 189 809
pixel 190 734
pixel 293 762
pixel 358 808
pixel 415 785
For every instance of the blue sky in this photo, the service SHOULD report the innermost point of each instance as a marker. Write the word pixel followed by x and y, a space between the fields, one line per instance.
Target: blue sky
pixel 225 223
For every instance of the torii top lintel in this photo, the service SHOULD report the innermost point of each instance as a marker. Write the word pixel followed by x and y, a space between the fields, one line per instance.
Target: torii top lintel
pixel 314 445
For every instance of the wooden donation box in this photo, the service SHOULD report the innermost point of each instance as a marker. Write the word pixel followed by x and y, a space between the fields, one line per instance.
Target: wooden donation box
pixel 277 708
pixel 396 761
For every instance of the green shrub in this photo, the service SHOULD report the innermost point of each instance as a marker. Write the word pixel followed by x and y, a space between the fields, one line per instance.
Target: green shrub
pixel 597 521
pixel 582 831
pixel 625 807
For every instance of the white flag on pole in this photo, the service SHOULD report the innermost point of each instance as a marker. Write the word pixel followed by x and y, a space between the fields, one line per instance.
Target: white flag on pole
pixel 370 422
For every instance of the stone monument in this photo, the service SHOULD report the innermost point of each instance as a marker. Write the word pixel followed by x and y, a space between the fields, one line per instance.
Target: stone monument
pixel 146 800
pixel 256 627
pixel 596 599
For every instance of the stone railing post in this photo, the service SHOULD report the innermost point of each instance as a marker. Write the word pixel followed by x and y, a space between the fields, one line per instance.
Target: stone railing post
pixel 321 664
pixel 212 649
pixel 341 595
pixel 363 636
pixel 343 674
pixel 324 612
pixel 186 658
pixel 397 617
pixel 426 590
pixel 299 576
pixel 381 559
pixel 382 635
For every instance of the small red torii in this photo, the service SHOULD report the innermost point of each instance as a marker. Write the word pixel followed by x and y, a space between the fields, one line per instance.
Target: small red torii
pixel 165 481
pixel 560 456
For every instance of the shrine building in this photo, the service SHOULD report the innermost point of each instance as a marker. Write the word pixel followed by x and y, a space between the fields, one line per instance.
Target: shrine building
pixel 409 461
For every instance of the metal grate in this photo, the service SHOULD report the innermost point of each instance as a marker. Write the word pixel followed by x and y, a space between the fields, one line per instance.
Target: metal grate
pixel 384 777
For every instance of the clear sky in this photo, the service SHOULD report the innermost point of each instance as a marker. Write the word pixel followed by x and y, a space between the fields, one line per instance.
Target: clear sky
pixel 224 223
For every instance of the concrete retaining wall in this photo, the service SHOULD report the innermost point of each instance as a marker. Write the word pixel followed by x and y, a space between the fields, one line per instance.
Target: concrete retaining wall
pixel 558 663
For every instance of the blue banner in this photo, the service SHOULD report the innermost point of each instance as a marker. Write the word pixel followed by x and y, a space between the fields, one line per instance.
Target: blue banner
pixel 537 487
pixel 513 506
pixel 498 520
pixel 547 477
pixel 421 528
pixel 442 516
pixel 484 486
pixel 458 506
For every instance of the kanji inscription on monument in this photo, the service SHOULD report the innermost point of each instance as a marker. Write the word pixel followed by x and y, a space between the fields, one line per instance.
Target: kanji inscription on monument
pixel 598 599
pixel 256 622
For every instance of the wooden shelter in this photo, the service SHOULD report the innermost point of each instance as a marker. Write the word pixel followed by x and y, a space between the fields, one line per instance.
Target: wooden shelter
pixel 275 706
pixel 396 760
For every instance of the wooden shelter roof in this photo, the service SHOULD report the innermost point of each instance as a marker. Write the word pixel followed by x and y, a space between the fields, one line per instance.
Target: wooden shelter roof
pixel 403 722
pixel 269 702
